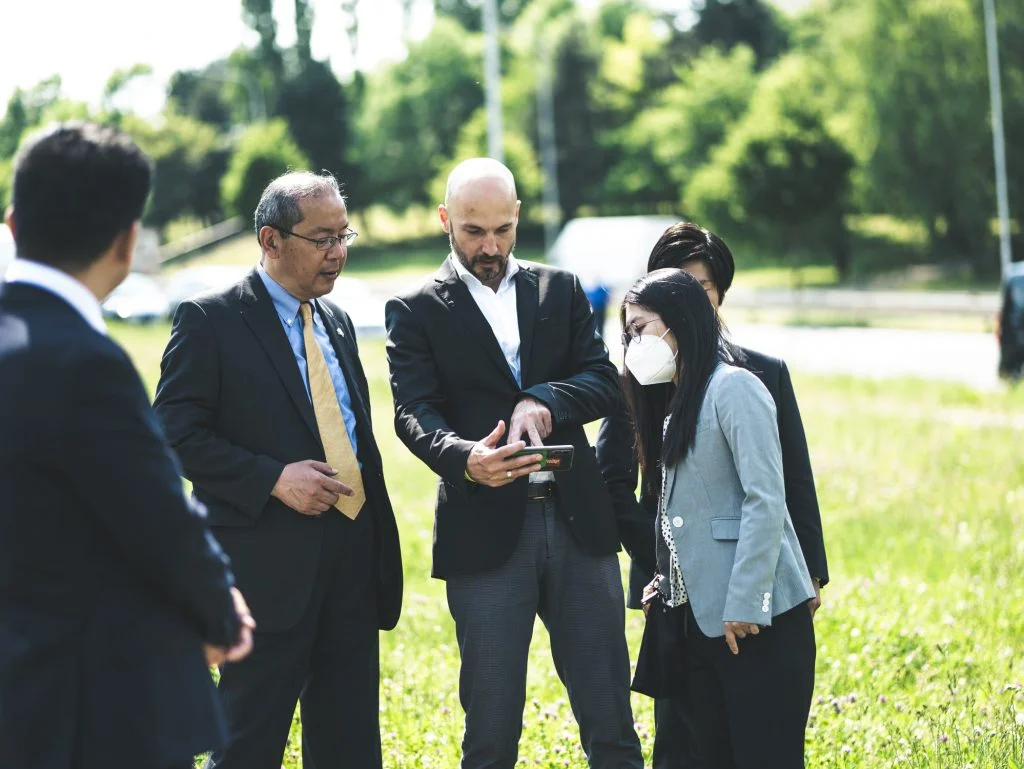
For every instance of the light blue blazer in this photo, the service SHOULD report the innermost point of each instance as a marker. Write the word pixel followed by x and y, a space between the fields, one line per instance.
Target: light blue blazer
pixel 726 506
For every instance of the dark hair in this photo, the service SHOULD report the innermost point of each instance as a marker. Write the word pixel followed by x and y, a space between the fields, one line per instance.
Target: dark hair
pixel 77 186
pixel 279 203
pixel 685 309
pixel 684 242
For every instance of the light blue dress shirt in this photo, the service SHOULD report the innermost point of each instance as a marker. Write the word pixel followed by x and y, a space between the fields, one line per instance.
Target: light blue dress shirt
pixel 287 307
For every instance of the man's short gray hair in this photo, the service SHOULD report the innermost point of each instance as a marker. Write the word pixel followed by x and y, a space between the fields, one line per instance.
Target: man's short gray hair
pixel 279 204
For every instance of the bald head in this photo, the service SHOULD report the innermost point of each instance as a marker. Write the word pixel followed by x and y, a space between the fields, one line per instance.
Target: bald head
pixel 479 177
pixel 480 213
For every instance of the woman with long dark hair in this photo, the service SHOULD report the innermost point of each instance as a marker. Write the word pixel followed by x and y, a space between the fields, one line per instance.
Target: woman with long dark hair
pixel 730 573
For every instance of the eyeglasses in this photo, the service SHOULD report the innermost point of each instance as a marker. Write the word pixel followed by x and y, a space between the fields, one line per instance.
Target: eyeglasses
pixel 325 244
pixel 635 332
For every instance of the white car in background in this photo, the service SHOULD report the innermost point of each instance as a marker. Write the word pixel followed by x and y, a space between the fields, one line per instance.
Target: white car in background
pixel 6 248
pixel 139 299
pixel 193 281
pixel 366 309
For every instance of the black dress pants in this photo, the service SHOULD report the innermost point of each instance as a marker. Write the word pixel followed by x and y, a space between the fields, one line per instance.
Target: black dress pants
pixel 746 711
pixel 328 662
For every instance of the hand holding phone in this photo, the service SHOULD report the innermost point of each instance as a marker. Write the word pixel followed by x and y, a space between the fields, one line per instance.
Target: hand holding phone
pixel 557 458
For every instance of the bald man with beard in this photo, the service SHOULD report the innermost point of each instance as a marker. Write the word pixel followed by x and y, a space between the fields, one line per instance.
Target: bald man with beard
pixel 487 356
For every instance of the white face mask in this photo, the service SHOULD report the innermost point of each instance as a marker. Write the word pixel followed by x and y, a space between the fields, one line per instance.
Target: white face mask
pixel 650 360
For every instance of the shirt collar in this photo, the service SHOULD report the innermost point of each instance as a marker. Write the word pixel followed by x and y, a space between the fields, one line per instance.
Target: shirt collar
pixel 58 282
pixel 287 306
pixel 471 280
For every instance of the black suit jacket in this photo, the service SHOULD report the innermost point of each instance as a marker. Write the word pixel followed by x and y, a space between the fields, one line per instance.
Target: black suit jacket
pixel 234 407
pixel 615 452
pixel 109 579
pixel 451 385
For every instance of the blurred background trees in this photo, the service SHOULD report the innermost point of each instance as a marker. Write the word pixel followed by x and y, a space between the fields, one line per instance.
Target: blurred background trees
pixel 793 134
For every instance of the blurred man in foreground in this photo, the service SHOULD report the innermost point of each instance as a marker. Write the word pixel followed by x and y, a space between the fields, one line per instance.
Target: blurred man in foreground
pixel 114 598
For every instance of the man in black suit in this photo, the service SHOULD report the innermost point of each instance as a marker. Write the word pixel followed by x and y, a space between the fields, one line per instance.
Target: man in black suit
pixel 489 341
pixel 706 257
pixel 111 588
pixel 263 396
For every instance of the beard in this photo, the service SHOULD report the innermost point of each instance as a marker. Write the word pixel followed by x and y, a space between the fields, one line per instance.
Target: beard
pixel 484 268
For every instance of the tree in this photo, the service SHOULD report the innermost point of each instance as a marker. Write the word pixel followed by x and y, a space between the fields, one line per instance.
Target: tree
pixel 413 113
pixel 25 110
pixel 264 151
pixel 780 176
pixel 303 32
pixel 120 79
pixel 189 159
pixel 754 23
pixel 468 13
pixel 259 16
pixel 317 111
pixel 928 88
pixel 202 95
pixel 520 157
pixel 666 144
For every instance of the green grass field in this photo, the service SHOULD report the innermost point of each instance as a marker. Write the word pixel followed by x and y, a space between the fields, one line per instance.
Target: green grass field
pixel 921 636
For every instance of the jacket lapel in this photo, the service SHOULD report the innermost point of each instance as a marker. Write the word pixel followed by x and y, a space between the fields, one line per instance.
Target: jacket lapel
pixel 527 303
pixel 456 296
pixel 263 319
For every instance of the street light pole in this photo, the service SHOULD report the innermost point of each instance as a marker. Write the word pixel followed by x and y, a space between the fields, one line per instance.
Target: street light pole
pixel 998 143
pixel 546 139
pixel 492 81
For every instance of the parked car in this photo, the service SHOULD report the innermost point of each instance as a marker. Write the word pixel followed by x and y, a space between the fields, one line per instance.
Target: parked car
pixel 192 281
pixel 6 248
pixel 139 299
pixel 366 309
pixel 1010 324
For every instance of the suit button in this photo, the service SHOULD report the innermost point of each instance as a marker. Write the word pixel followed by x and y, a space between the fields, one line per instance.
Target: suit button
pixel 677 521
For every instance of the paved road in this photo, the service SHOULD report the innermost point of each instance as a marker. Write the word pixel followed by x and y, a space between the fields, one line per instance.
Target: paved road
pixel 954 356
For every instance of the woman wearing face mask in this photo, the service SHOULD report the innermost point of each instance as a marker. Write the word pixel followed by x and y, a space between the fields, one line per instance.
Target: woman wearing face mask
pixel 731 578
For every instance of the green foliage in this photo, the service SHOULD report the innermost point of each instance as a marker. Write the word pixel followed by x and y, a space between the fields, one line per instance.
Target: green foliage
pixel 189 160
pixel 469 13
pixel 520 157
pixel 693 116
pixel 27 109
pixel 928 86
pixel 753 23
pixel 204 95
pixel 780 172
pixel 317 112
pixel 264 151
pixel 6 177
pixel 413 112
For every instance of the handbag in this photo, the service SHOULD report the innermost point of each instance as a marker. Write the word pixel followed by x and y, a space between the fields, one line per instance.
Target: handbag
pixel 660 672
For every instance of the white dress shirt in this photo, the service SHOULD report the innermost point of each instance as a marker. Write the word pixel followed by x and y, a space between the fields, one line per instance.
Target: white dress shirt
pixel 499 308
pixel 63 285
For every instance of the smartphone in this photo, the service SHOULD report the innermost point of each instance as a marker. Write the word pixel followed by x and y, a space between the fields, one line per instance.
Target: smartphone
pixel 553 457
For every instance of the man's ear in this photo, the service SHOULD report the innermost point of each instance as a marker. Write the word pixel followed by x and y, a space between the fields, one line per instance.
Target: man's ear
pixel 9 219
pixel 270 242
pixel 446 223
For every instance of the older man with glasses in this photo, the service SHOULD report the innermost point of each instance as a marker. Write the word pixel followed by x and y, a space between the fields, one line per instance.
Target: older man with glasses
pixel 263 396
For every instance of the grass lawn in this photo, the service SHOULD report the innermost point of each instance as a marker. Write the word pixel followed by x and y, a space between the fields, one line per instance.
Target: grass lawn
pixel 921 637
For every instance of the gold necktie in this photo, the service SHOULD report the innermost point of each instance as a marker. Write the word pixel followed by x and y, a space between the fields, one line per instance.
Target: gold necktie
pixel 333 435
